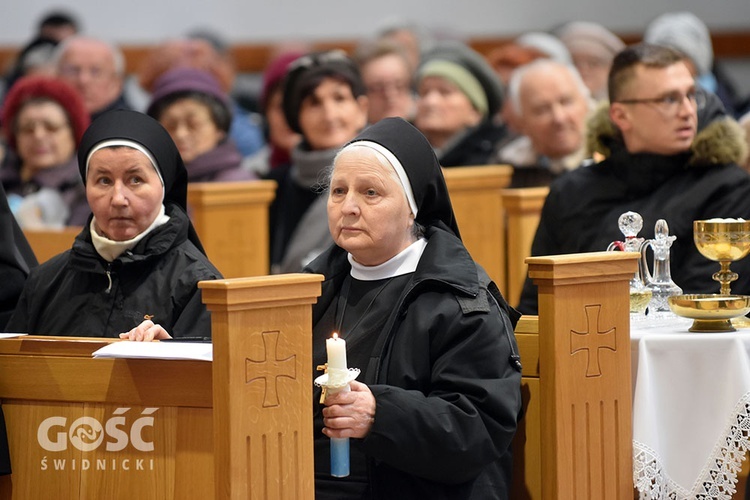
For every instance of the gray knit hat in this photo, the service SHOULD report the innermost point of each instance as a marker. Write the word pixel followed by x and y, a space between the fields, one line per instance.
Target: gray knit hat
pixel 465 68
pixel 685 32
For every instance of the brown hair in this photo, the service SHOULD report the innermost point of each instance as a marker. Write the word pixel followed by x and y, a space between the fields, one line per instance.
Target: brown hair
pixel 643 54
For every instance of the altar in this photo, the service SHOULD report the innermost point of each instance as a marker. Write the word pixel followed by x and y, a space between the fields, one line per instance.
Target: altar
pixel 691 409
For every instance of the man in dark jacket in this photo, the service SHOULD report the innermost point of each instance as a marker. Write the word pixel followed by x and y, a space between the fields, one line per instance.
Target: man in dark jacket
pixel 655 165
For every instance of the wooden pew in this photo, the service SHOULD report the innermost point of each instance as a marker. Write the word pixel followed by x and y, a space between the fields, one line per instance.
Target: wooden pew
pixel 245 418
pixel 497 224
pixel 239 427
pixel 476 195
pixel 231 219
pixel 46 243
pixel 523 209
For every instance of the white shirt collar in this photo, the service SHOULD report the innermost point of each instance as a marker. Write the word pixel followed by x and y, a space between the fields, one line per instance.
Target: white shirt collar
pixel 110 249
pixel 403 263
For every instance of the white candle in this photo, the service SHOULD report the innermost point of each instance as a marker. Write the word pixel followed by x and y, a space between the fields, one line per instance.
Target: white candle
pixel 336 350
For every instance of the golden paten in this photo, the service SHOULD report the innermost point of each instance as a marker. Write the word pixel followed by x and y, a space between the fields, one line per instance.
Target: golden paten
pixel 710 312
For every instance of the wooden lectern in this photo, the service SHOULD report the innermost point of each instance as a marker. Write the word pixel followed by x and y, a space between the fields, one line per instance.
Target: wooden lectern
pixel 237 428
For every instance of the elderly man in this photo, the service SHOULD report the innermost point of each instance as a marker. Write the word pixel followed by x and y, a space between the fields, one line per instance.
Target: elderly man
pixel 657 165
pixel 96 69
pixel 550 104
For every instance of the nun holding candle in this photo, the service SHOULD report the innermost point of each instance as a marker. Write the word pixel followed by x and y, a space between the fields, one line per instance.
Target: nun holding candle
pixel 435 408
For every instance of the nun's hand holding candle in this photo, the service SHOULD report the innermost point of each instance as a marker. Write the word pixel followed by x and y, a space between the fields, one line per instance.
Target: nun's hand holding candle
pixel 439 394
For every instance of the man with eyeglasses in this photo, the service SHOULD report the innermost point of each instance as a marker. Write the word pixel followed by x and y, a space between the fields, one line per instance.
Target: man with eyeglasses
pixel 670 152
pixel 96 69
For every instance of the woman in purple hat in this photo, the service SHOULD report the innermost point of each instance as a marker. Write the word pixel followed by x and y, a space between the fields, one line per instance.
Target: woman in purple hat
pixel 191 105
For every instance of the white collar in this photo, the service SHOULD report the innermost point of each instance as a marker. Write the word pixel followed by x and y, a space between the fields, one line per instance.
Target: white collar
pixel 109 250
pixel 404 262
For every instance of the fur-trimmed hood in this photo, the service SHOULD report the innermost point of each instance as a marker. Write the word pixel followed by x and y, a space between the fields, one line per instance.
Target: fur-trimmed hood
pixel 720 141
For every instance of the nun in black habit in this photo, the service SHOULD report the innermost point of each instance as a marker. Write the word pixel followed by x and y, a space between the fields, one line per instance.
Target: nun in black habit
pixel 438 399
pixel 16 260
pixel 133 270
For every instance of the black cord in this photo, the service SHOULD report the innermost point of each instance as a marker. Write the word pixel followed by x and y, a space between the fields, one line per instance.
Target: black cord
pixel 514 359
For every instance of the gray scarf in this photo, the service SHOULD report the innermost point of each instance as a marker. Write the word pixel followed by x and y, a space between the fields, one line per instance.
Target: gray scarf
pixel 309 167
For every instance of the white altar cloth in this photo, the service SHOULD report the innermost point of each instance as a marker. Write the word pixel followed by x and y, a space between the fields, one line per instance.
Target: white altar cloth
pixel 691 410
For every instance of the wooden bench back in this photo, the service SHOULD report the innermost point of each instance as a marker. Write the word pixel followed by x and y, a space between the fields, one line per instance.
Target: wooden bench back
pixel 523 209
pixel 476 195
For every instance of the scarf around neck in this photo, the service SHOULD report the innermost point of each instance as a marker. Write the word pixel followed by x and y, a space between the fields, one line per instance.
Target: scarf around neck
pixel 308 166
pixel 109 250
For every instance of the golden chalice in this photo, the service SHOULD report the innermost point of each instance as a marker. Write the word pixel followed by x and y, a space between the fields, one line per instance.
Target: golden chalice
pixel 725 241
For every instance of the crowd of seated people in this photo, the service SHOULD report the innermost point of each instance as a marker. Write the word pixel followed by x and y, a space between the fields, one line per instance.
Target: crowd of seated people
pixel 78 150
pixel 526 103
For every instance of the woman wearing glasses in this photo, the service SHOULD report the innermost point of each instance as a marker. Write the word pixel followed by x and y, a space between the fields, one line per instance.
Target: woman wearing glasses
pixel 191 105
pixel 43 120
pixel 324 100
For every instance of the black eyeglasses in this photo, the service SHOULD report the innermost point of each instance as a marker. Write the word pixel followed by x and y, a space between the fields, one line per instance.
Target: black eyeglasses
pixel 671 102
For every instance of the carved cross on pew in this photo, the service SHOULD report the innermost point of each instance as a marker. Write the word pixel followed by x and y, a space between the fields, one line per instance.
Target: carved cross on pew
pixel 270 369
pixel 592 342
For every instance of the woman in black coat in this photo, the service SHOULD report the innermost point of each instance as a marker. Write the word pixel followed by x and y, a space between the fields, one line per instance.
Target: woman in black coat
pixel 133 270
pixel 16 260
pixel 440 395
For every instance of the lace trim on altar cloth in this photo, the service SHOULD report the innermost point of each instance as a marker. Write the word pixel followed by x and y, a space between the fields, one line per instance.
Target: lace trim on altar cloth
pixel 717 479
